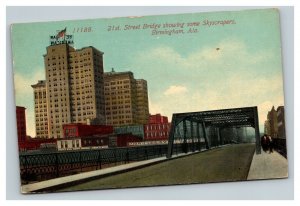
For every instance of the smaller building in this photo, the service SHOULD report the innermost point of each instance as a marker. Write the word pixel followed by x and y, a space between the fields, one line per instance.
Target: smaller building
pixel 157 119
pixel 123 140
pixel 94 142
pixel 281 122
pixel 84 130
pixel 136 130
pixel 21 123
pixel 35 143
pixel 73 143
pixel 158 128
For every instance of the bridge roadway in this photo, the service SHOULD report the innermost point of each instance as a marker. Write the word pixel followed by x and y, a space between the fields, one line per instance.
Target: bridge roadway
pixel 228 163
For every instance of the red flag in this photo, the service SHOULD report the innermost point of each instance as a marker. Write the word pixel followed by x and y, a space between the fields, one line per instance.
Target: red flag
pixel 61 33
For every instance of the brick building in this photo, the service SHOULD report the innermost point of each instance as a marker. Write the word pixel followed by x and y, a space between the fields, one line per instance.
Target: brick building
pixel 83 130
pixel 158 128
pixel 21 123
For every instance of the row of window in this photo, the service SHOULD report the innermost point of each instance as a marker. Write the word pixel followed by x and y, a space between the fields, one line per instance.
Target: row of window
pixel 156 127
pixel 156 134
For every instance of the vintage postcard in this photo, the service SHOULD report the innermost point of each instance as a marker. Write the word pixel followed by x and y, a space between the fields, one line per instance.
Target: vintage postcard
pixel 149 101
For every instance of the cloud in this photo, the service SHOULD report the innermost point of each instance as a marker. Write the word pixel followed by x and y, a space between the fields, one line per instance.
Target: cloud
pixel 174 89
pixel 263 92
pixel 227 74
pixel 23 83
pixel 225 55
pixel 155 108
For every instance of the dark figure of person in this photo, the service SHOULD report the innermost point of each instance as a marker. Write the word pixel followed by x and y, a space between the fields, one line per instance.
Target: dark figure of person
pixel 270 144
pixel 264 143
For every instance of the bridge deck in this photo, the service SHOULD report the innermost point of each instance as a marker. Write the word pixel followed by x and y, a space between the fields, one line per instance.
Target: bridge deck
pixel 229 163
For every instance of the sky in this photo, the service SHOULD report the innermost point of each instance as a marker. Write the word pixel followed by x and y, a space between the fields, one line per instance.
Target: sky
pixel 217 67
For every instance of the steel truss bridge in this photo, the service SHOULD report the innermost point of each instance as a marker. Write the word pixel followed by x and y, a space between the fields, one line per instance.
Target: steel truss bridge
pixel 198 129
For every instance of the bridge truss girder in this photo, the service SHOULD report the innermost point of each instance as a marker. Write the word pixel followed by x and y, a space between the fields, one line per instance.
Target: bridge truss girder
pixel 220 119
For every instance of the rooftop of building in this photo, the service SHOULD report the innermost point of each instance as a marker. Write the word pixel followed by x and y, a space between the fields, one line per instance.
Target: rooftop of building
pixel 41 83
pixel 74 49
pixel 114 73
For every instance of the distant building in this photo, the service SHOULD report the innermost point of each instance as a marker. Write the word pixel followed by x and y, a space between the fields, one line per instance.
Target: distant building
pixel 126 99
pixel 272 117
pixel 281 122
pixel 136 130
pixel 21 123
pixel 40 109
pixel 275 123
pixel 123 140
pixel 158 128
pixel 142 106
pixel 95 142
pixel 84 130
pixel 267 127
pixel 157 119
pixel 35 143
pixel 69 143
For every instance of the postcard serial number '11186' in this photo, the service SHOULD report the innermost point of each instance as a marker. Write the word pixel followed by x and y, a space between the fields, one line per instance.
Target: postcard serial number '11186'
pixel 82 29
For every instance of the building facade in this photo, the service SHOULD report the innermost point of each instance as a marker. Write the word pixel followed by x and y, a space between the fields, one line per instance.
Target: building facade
pixel 136 130
pixel 281 122
pixel 21 123
pixel 126 99
pixel 142 105
pixel 272 117
pixel 275 123
pixel 40 109
pixel 74 88
pixel 83 130
pixel 158 128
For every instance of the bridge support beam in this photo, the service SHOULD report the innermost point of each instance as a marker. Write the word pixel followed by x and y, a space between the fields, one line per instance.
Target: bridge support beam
pixel 220 136
pixel 256 127
pixel 185 146
pixel 192 136
pixel 198 136
pixel 171 138
pixel 204 134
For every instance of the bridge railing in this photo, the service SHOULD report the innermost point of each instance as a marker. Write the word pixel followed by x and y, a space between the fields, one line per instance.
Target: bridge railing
pixel 47 165
pixel 44 165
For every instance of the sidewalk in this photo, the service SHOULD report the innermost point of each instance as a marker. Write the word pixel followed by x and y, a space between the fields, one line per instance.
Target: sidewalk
pixel 266 166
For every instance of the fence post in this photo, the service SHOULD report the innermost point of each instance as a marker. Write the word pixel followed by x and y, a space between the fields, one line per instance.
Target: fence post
pixel 160 150
pixel 99 158
pixel 80 161
pixel 146 153
pixel 115 156
pixel 127 155
pixel 26 167
pixel 56 164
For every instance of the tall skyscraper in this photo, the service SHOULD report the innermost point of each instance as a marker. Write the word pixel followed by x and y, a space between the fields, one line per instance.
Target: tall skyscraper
pixel 74 87
pixel 126 99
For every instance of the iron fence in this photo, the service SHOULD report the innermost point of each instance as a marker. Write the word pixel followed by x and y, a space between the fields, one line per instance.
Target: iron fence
pixel 44 165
